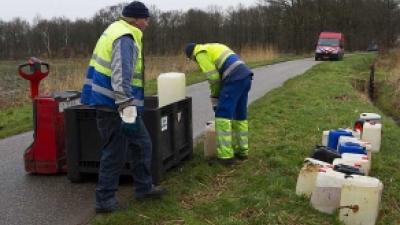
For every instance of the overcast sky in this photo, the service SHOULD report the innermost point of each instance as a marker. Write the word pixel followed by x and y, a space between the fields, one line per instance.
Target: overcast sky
pixel 73 9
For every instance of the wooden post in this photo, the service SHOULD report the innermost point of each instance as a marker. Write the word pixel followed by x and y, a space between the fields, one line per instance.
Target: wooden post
pixel 371 88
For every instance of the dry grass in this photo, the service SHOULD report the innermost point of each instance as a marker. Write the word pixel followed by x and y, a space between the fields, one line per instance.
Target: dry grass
pixel 155 65
pixel 388 75
pixel 69 74
pixel 66 74
pixel 252 54
pixel 390 63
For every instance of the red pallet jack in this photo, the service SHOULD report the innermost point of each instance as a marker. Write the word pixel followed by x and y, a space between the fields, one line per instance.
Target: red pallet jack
pixel 46 155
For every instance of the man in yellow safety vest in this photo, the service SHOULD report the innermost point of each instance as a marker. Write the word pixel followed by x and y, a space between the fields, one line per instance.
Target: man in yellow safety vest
pixel 230 81
pixel 114 85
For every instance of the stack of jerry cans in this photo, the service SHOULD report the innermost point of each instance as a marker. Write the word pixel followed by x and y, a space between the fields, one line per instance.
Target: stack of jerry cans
pixel 341 186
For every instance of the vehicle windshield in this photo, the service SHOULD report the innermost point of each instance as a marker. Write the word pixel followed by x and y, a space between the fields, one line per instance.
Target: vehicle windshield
pixel 328 42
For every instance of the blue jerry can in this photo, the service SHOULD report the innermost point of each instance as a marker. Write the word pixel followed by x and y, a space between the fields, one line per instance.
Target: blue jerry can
pixel 350 147
pixel 334 135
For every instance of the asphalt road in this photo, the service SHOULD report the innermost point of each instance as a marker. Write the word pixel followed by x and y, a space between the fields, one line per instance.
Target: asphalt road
pixel 53 200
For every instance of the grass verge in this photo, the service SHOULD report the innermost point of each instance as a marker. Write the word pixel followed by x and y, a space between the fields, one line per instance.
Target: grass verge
pixel 284 126
pixel 15 120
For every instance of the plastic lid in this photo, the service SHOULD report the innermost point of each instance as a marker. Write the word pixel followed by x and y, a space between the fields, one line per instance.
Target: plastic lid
pixel 370 116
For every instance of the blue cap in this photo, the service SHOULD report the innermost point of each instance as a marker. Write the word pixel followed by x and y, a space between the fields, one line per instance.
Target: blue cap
pixel 189 49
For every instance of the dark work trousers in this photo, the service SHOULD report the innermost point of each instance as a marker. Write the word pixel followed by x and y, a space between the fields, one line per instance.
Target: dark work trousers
pixel 116 147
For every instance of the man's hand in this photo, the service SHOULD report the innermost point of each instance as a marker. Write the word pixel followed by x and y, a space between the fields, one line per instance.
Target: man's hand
pixel 128 116
pixel 214 103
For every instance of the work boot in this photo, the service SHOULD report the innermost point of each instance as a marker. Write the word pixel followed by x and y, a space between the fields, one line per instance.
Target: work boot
pixel 156 192
pixel 110 210
pixel 241 157
pixel 227 162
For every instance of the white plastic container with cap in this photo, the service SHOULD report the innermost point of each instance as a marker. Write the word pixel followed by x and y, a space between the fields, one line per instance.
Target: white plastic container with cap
pixel 356 160
pixel 308 174
pixel 171 87
pixel 372 134
pixel 326 195
pixel 210 145
pixel 360 200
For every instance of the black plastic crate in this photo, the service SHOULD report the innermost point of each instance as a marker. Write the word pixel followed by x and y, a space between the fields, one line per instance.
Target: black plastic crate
pixel 170 129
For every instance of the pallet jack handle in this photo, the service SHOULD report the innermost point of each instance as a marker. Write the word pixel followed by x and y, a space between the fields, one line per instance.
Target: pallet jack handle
pixel 34 71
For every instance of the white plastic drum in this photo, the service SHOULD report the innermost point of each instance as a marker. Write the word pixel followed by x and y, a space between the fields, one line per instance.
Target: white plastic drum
pixel 326 194
pixel 360 200
pixel 308 174
pixel 356 160
pixel 372 134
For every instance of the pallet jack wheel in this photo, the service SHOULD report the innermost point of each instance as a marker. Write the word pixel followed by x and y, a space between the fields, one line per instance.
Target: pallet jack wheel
pixel 75 177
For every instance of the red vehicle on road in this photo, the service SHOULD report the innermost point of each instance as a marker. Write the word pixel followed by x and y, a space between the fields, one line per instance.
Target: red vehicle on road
pixel 330 46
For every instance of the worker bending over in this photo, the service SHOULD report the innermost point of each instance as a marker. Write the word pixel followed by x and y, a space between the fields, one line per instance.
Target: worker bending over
pixel 230 82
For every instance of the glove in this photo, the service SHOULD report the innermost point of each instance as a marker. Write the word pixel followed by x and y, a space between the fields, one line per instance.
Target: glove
pixel 128 116
pixel 214 103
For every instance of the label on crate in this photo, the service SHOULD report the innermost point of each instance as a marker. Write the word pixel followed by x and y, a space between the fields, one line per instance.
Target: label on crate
pixel 179 116
pixel 67 104
pixel 164 123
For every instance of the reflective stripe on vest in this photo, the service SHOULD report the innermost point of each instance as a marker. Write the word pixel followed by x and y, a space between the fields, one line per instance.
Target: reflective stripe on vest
pixel 110 94
pixel 231 68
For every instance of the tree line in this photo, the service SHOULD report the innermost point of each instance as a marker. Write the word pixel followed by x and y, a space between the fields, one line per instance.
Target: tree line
pixel 287 25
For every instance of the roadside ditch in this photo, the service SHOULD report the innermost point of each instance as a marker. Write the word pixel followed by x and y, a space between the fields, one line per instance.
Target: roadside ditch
pixel 382 87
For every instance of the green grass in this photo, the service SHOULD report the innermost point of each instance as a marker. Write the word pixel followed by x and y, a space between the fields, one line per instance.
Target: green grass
pixel 284 126
pixel 15 120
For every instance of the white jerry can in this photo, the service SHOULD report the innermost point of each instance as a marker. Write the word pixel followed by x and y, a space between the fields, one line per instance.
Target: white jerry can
pixel 364 161
pixel 360 200
pixel 355 160
pixel 308 174
pixel 210 145
pixel 326 195
pixel 171 87
pixel 372 134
